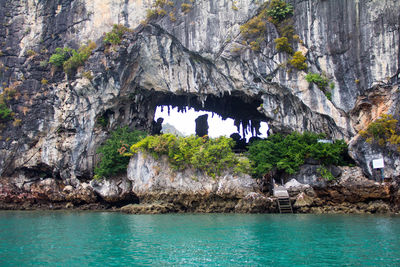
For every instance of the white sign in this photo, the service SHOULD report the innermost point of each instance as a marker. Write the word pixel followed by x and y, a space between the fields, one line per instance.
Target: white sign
pixel 326 141
pixel 378 163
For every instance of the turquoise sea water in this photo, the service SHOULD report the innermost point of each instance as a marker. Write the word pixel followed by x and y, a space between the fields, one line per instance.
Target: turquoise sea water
pixel 63 238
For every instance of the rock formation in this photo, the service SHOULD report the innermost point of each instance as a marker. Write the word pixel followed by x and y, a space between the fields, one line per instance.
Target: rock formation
pixel 189 57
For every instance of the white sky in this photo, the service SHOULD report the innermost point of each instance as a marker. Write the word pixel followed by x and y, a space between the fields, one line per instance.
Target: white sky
pixel 185 122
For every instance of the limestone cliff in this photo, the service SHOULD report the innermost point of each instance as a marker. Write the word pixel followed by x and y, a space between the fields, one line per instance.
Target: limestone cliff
pixel 194 57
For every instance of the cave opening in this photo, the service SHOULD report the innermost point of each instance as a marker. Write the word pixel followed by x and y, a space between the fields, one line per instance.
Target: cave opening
pixel 183 123
pixel 227 114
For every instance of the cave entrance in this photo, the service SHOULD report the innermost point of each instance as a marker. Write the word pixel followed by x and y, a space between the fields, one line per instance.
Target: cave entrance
pixel 183 123
pixel 227 114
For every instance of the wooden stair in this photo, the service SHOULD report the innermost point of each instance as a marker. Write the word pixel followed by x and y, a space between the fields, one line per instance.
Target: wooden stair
pixel 284 205
pixel 283 199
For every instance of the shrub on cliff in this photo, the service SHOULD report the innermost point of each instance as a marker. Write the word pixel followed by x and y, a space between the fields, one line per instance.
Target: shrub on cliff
pixel 282 45
pixel 71 59
pixel 78 58
pixel 298 61
pixel 278 10
pixel 211 156
pixel 320 80
pixel 112 161
pixel 60 56
pixel 5 113
pixel 115 36
pixel 385 131
pixel 288 153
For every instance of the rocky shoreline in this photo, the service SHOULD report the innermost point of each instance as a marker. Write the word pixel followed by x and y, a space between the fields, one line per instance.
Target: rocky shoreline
pixel 152 187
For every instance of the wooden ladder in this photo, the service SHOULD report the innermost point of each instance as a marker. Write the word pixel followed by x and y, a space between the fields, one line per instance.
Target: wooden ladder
pixel 284 205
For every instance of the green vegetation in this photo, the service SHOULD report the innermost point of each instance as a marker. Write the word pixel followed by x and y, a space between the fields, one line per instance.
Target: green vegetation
pixel 325 173
pixel 8 93
pixel 102 121
pixel 71 59
pixel 5 113
pixel 256 45
pixel 31 53
pixel 298 61
pixel 160 8
pixel 288 153
pixel 254 27
pixel 185 7
pixel 234 5
pixel 60 56
pixel 320 81
pixel 115 36
pixel 385 131
pixel 78 58
pixel 211 156
pixel 88 75
pixel 278 10
pixel 112 161
pixel 283 45
pixel 328 95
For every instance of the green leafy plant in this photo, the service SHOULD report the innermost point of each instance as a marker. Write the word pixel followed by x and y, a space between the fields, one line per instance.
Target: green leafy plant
pixel 282 45
pixel 254 27
pixel 320 81
pixel 5 113
pixel 71 59
pixel 115 36
pixel 256 45
pixel 60 56
pixel 286 29
pixel 31 53
pixel 112 161
pixel 384 131
pixel 211 156
pixel 78 58
pixel 278 10
pixel 288 153
pixel 298 61
pixel 325 173
pixel 328 95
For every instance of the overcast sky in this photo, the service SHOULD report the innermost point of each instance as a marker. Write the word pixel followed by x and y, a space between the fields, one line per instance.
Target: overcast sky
pixel 185 122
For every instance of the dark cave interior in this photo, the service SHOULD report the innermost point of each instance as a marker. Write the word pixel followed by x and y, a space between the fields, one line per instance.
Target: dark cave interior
pixel 239 107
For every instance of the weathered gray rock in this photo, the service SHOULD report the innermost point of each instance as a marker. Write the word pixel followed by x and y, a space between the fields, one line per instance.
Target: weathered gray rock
pixel 369 152
pixel 303 200
pixel 256 203
pixel 353 187
pixel 154 181
pixel 153 208
pixel 43 193
pixel 154 176
pixel 309 175
pixel 114 190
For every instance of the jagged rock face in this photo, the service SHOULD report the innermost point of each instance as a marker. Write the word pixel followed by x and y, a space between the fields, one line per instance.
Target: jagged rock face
pixel 191 60
pixel 117 190
pixel 161 189
pixel 22 193
pixel 351 193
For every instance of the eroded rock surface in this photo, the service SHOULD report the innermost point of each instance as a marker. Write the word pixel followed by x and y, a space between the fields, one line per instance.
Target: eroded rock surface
pixel 154 182
pixel 353 192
